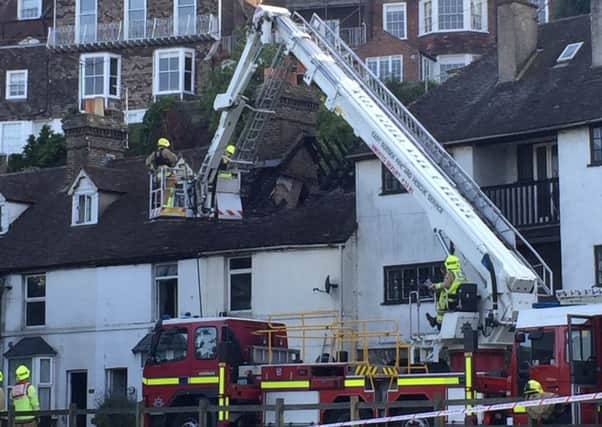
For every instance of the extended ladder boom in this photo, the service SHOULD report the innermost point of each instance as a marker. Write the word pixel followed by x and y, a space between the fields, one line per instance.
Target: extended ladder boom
pixel 508 277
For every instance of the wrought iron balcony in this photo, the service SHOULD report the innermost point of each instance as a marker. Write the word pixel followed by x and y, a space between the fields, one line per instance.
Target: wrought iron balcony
pixel 353 36
pixel 528 204
pixel 154 31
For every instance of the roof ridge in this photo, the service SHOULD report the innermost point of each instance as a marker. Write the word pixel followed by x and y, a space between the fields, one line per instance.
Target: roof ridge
pixel 30 171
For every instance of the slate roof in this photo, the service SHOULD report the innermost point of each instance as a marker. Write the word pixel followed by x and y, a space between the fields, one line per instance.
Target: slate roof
pixel 43 238
pixel 30 346
pixel 472 105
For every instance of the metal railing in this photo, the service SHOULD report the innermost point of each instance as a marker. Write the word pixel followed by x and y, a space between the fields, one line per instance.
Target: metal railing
pixel 354 36
pixel 528 204
pixel 153 29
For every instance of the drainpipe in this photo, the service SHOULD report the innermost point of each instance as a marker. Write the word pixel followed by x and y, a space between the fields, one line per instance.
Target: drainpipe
pixel 3 287
pixel 54 23
pixel 341 312
pixel 219 18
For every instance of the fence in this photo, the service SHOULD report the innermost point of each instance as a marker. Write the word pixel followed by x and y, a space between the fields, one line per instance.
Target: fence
pixel 279 409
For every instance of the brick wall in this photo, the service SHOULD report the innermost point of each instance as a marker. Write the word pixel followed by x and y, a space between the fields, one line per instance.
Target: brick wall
pixel 13 31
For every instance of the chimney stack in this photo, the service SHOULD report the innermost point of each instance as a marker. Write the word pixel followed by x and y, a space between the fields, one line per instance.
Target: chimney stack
pixel 92 140
pixel 596 17
pixel 516 37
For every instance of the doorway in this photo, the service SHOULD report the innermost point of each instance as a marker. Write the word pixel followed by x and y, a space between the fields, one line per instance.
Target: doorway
pixel 545 169
pixel 78 393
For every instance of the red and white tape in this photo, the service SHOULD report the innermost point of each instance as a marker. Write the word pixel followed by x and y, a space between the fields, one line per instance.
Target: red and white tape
pixel 471 411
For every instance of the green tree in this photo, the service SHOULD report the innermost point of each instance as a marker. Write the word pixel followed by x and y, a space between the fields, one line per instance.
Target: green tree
pixel 46 150
pixel 566 8
pixel 115 402
pixel 408 91
pixel 144 139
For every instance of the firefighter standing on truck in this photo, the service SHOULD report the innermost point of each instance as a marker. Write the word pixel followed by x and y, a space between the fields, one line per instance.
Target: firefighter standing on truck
pixel 162 156
pixel 447 290
pixel 25 398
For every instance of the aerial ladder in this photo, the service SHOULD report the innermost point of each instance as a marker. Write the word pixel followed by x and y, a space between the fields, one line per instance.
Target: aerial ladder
pixel 457 209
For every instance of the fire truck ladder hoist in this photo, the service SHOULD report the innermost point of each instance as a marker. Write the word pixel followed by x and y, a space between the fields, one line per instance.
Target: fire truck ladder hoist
pixel 457 209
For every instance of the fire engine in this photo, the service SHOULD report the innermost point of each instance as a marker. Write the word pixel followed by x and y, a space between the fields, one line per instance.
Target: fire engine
pixel 242 361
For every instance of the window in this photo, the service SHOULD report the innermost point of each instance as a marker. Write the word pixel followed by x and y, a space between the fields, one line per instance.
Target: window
pixel 185 15
pixel 173 71
pixel 446 70
pixel 581 343
pixel 13 137
pixel 452 15
pixel 401 280
pixel 84 208
pixel 427 69
pixel 598 264
pixel 390 184
pixel 29 9
pixel 166 284
pixel 35 300
pixel 3 216
pixel 116 382
pixel 41 377
pixel 240 283
pixel 542 348
pixel 569 52
pixel 596 144
pixel 334 26
pixel 135 16
pixel 386 67
pixel 394 18
pixel 542 10
pixel 16 84
pixel 86 21
pixel 172 345
pixel 205 343
pixel 447 64
pixel 100 75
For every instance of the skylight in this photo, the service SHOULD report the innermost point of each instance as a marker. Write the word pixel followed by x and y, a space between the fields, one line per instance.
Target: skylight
pixel 569 52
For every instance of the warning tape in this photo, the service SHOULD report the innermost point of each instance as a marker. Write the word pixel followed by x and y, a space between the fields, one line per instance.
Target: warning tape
pixel 471 411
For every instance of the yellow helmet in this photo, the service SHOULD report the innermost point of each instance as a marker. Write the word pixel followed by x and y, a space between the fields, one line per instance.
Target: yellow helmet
pixel 452 262
pixel 533 387
pixel 230 149
pixel 163 142
pixel 22 373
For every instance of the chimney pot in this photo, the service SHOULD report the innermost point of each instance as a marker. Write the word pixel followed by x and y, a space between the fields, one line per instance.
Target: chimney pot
pixel 516 37
pixel 596 18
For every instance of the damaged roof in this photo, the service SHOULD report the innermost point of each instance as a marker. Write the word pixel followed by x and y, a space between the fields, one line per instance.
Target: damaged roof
pixel 548 95
pixel 43 238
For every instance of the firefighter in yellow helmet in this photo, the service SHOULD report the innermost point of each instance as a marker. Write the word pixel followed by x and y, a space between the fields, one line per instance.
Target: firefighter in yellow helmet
pixel 544 413
pixel 226 158
pixel 447 290
pixel 162 156
pixel 25 398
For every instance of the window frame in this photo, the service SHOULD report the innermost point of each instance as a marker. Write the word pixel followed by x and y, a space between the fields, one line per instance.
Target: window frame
pixel 598 265
pixel 109 380
pixel 9 74
pixel 390 58
pixel 24 132
pixel 239 271
pixel 434 265
pixel 385 173
pixel 592 160
pixel 156 287
pixel 31 300
pixel 78 23
pixel 402 5
pixel 3 216
pixel 20 17
pixel 75 208
pixel 106 76
pixel 176 17
pixel 182 53
pixel 467 18
pixel 453 59
pixel 196 331
pixel 562 59
pixel 126 19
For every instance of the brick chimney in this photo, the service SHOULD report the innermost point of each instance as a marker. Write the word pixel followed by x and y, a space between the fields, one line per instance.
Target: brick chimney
pixel 92 140
pixel 516 37
pixel 596 16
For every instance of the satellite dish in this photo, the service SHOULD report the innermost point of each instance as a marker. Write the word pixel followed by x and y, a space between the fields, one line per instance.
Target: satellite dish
pixel 328 285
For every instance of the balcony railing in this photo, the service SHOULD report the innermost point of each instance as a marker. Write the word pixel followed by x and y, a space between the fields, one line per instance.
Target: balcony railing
pixel 354 36
pixel 150 31
pixel 528 204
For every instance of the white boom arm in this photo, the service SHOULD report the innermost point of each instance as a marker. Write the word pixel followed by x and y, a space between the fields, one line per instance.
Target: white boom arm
pixel 513 282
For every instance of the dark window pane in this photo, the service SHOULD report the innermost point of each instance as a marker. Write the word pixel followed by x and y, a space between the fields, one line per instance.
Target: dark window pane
pixel 168 297
pixel 166 270
pixel 597 145
pixel 36 313
pixel 401 281
pixel 240 291
pixel 240 263
pixel 598 261
pixel 172 345
pixel 36 286
pixel 390 184
pixel 205 343
pixel 542 350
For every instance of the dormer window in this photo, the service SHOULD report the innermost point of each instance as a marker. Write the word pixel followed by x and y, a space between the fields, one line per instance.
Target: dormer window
pixel 84 201
pixel 3 217
pixel 569 52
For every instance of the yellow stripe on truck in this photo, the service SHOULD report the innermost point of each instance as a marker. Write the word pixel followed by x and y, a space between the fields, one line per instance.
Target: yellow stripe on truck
pixel 203 380
pixel 161 381
pixel 271 385
pixel 355 382
pixel 179 381
pixel 520 410
pixel 428 381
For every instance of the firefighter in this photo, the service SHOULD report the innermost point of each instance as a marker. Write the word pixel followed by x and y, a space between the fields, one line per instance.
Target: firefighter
pixel 162 156
pixel 25 398
pixel 447 290
pixel 1 392
pixel 541 414
pixel 226 159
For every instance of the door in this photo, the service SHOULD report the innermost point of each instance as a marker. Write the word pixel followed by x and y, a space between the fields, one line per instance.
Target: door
pixel 78 393
pixel 545 168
